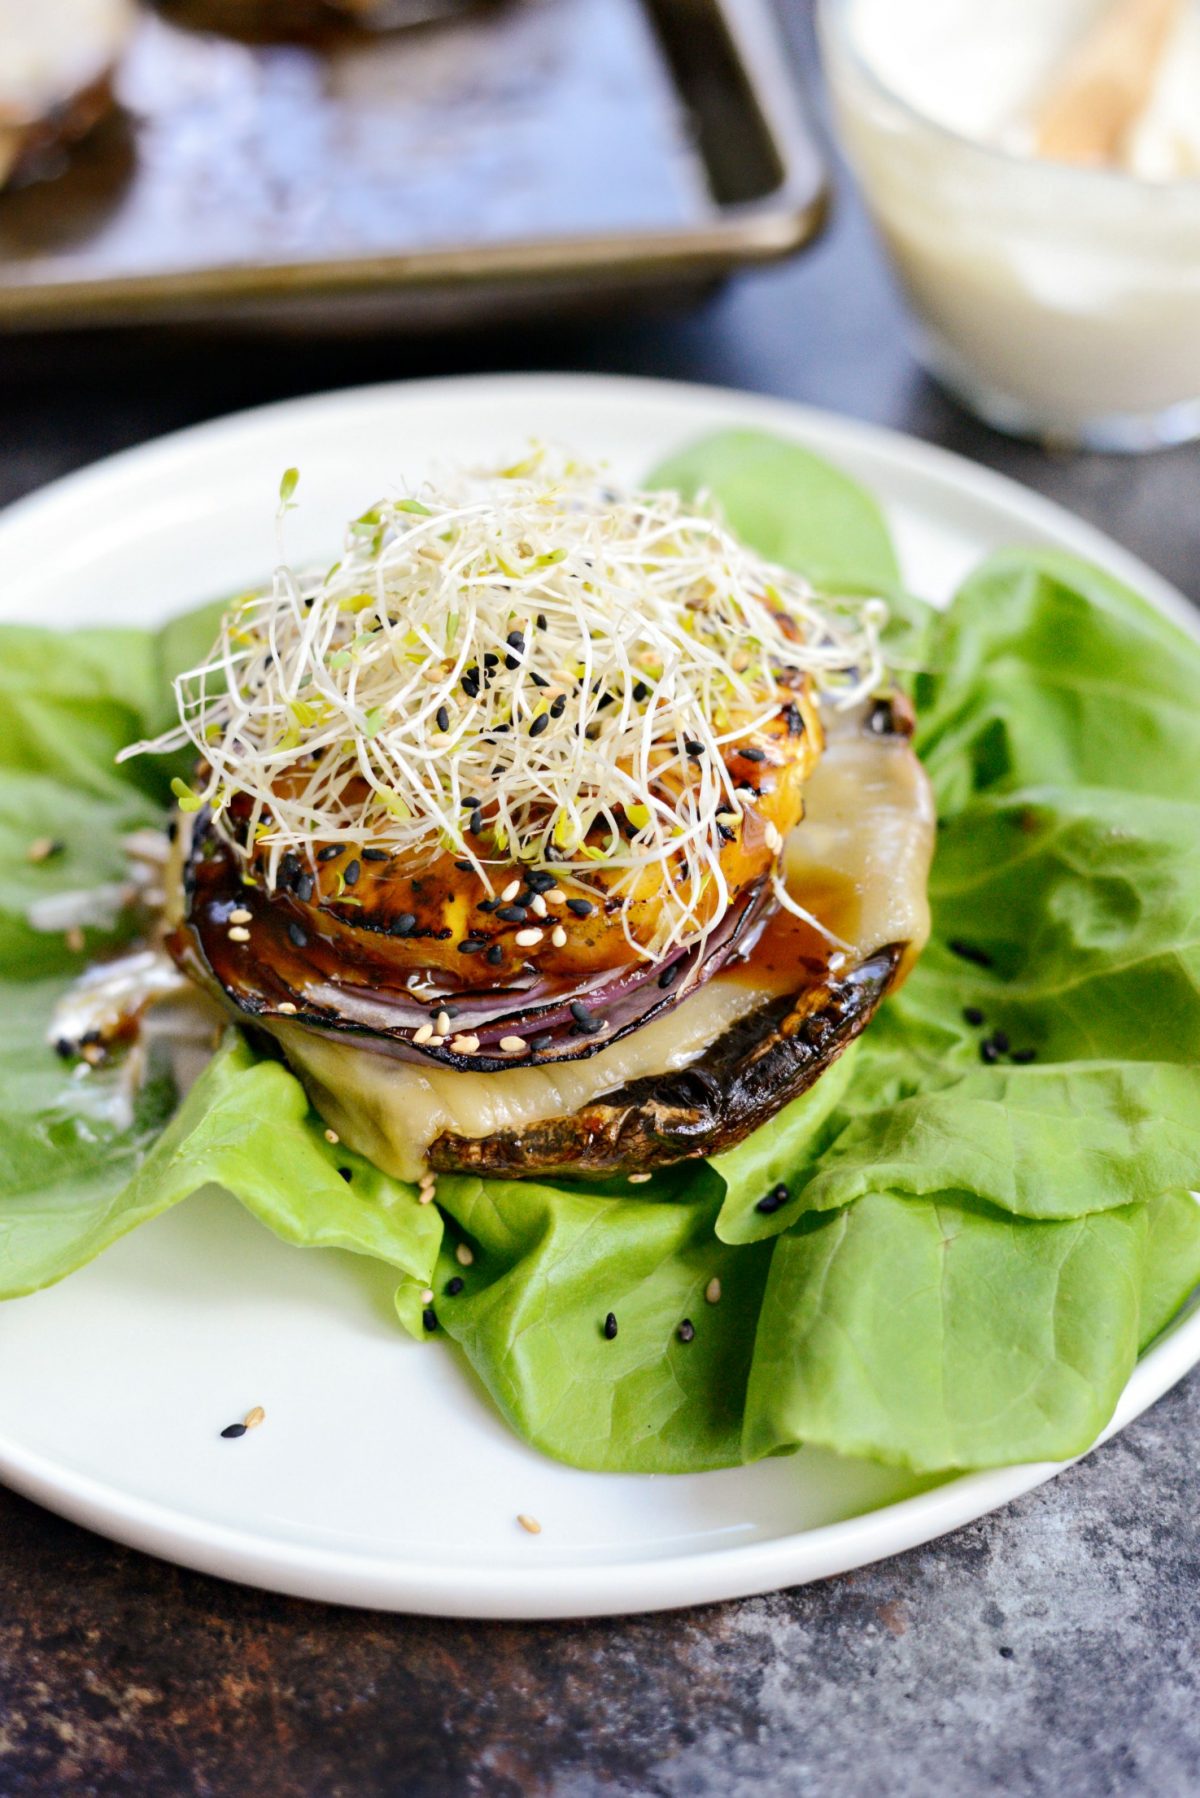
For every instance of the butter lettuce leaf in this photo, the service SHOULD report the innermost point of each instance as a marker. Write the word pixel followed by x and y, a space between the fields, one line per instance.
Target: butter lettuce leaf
pixel 984 1223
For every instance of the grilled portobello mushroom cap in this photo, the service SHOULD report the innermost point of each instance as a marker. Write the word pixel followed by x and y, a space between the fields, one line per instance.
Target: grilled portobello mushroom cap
pixel 759 1065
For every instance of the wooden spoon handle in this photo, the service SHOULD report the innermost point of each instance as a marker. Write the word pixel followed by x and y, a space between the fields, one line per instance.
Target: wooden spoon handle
pixel 1106 83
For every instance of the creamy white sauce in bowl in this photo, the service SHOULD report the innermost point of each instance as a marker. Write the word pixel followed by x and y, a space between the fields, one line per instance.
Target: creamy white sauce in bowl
pixel 1058 301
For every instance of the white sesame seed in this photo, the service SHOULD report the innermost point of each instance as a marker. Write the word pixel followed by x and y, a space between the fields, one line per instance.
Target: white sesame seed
pixel 425 1196
pixel 464 1045
pixel 529 1523
pixel 555 896
pixel 537 906
pixel 423 1034
pixel 528 939
pixel 729 818
pixel 712 1291
pixel 427 1296
pixel 287 1008
pixel 513 1044
pixel 772 838
pixel 442 1023
pixel 75 940
pixel 511 891
pixel 240 916
pixel 558 937
pixel 253 1418
pixel 239 934
pixel 638 1179
pixel 40 850
pixel 464 1255
pixel 332 1136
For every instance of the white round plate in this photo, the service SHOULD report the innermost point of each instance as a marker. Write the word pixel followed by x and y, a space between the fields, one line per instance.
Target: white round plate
pixel 382 1476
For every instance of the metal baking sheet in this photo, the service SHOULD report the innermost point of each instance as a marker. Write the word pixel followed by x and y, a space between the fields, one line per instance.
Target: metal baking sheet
pixel 515 154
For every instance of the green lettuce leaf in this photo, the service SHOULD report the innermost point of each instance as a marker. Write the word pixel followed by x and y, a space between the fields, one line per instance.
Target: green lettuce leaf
pixel 791 506
pixel 971 1252
pixel 549 1265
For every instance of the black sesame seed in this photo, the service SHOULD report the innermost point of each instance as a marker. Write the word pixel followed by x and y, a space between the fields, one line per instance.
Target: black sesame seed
pixel 794 719
pixel 968 952
pixel 583 908
pixel 542 1041
pixel 558 706
pixel 1000 1039
pixel 640 692
pixel 540 723
pixel 541 621
pixel 694 749
pixel 289 867
pixel 304 888
pixel 330 853
pixel 488 904
pixel 580 1012
pixel 471 945
pixel 539 882
pixel 539 680
pixel 1023 1057
pixel 376 855
pixel 64 1048
pixel 496 954
pixel 881 719
pixel 751 754
pixel 429 1318
pixel 973 1016
pixel 351 872
pixel 610 1326
pixel 515 640
pixel 464 867
pixel 511 662
pixel 670 975
pixel 298 936
pixel 593 1027
pixel 442 936
pixel 455 1286
pixel 442 718
pixel 172 829
pixel 773 1200
pixel 404 924
pixel 233 1430
pixel 512 914
pixel 345 1173
pixel 491 660
pixel 988 1051
pixel 686 1330
pixel 470 687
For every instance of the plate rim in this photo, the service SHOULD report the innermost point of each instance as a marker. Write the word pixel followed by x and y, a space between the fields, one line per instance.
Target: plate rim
pixel 611 1586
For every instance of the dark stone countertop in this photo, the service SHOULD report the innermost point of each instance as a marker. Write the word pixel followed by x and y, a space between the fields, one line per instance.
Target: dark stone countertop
pixel 1051 1648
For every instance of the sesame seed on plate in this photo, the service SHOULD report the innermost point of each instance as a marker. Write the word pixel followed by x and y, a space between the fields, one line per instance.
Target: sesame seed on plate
pixel 686 1330
pixel 427 1296
pixel 232 1431
pixel 332 1136
pixel 455 1286
pixel 529 1524
pixel 42 848
pixel 514 1045
pixel 464 1255
pixel 442 1023
pixel 639 1179
pixel 423 1034
pixel 287 1008
pixel 75 940
pixel 464 1045
pixel 556 896
pixel 528 939
pixel 772 838
pixel 254 1417
pixel 583 908
pixel 610 1327
pixel 712 1291
pixel 510 892
pixel 239 934
pixel 558 937
pixel 240 916
pixel 537 906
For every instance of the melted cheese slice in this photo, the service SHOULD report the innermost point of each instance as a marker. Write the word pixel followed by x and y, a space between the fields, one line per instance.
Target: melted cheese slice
pixel 859 862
